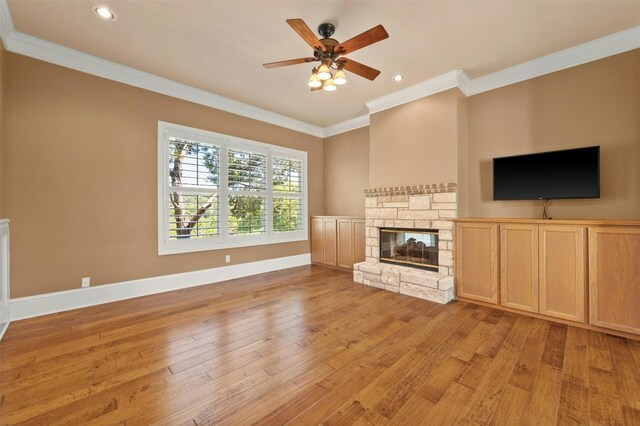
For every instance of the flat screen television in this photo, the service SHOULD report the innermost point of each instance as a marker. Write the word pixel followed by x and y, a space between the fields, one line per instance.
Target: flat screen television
pixel 570 173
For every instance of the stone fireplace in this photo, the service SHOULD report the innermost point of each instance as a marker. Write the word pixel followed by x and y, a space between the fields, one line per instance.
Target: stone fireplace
pixel 424 214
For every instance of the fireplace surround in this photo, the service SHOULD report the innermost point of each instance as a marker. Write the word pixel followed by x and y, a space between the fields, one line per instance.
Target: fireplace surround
pixel 417 207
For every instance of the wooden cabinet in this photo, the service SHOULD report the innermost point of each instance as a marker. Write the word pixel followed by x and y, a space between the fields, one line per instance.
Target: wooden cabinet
pixel 323 241
pixel 476 265
pixel 614 278
pixel 542 269
pixel 330 242
pixel 586 272
pixel 563 271
pixel 337 241
pixel 317 240
pixel 359 237
pixel 519 266
pixel 345 243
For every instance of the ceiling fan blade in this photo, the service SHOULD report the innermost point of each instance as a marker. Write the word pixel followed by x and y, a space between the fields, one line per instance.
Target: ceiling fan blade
pixel 374 35
pixel 289 62
pixel 360 69
pixel 307 35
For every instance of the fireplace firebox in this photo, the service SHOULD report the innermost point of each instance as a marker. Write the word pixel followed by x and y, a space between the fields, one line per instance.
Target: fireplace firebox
pixel 410 247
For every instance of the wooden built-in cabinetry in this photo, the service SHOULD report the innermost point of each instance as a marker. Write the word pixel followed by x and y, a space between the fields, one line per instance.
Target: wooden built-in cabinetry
pixel 477 261
pixel 562 272
pixel 614 278
pixel 337 241
pixel 584 272
pixel 519 266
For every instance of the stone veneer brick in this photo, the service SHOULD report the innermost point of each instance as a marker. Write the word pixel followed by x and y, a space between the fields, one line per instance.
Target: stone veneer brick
pixel 404 224
pixel 416 214
pixel 415 206
pixel 448 197
pixel 419 202
pixel 414 282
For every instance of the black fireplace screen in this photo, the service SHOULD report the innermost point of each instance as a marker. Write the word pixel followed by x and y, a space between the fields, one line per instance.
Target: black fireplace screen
pixel 415 247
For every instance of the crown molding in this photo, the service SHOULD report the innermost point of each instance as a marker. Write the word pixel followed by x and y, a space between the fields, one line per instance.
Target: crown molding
pixel 464 83
pixel 426 88
pixel 6 23
pixel 600 48
pixel 347 125
pixel 34 47
pixel 43 50
pixel 603 47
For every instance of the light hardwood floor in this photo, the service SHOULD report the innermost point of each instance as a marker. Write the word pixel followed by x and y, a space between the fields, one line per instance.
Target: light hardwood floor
pixel 309 346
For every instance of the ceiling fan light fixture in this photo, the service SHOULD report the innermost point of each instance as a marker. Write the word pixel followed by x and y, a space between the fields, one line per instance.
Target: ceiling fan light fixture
pixel 314 80
pixel 340 78
pixel 330 85
pixel 324 73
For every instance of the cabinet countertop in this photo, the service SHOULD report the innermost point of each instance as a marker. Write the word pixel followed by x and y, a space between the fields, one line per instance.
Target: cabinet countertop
pixel 339 217
pixel 587 222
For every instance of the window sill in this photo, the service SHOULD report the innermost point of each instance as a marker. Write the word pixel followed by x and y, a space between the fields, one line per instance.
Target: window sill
pixel 197 246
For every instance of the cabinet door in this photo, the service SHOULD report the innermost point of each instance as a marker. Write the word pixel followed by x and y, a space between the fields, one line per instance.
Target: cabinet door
pixel 359 230
pixel 330 242
pixel 477 261
pixel 317 240
pixel 519 267
pixel 614 278
pixel 562 272
pixel 345 244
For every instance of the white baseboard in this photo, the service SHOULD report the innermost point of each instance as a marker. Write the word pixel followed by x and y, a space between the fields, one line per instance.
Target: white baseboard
pixel 42 304
pixel 3 328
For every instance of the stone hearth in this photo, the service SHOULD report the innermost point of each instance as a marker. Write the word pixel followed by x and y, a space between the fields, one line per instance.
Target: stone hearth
pixel 410 207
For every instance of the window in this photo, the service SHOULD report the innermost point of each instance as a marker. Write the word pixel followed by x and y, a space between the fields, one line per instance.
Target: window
pixel 287 194
pixel 217 191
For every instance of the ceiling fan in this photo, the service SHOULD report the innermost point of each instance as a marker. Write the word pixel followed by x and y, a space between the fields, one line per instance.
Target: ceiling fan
pixel 329 51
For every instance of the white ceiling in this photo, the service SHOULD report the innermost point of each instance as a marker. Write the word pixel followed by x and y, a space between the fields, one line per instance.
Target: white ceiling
pixel 219 46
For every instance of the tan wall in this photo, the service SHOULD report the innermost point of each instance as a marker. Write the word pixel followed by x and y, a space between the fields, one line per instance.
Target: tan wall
pixel 593 104
pixel 463 158
pixel 346 172
pixel 416 143
pixel 80 162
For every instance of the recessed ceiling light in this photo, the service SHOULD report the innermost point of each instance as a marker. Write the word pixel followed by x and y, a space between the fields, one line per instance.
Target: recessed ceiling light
pixel 397 77
pixel 104 13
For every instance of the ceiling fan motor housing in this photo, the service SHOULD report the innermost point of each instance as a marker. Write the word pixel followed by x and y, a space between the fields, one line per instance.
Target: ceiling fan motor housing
pixel 326 30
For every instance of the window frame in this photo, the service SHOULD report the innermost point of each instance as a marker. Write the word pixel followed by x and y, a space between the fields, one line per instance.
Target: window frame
pixel 223 240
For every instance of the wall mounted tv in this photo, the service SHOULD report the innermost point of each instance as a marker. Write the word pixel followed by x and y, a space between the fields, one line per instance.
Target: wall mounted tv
pixel 571 173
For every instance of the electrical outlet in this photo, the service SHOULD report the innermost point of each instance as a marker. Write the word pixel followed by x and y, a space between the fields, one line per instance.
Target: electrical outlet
pixel 86 282
pixel 227 258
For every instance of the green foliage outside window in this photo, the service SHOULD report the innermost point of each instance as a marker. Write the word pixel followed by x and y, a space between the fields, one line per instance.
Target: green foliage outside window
pixel 246 214
pixel 287 214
